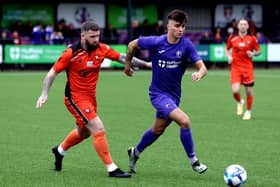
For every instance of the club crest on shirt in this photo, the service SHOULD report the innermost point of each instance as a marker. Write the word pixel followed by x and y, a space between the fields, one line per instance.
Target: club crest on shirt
pixel 179 54
pixel 87 110
pixel 89 63
pixel 167 105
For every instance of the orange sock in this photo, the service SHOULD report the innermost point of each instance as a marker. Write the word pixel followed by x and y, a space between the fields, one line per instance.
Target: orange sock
pixel 72 139
pixel 250 99
pixel 101 147
pixel 237 97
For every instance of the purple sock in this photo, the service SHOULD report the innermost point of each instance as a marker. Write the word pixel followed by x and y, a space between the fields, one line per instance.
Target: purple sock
pixel 147 139
pixel 187 141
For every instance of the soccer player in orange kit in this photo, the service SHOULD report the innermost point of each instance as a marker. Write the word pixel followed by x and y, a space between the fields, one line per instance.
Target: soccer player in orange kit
pixel 82 62
pixel 240 50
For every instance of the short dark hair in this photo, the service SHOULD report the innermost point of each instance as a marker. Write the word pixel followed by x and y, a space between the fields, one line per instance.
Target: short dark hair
pixel 89 25
pixel 178 16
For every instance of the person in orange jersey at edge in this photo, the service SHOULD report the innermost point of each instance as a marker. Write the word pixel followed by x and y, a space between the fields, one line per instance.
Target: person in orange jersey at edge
pixel 82 62
pixel 240 50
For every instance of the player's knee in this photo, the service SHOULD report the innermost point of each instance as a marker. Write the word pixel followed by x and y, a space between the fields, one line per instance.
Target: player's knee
pixel 185 123
pixel 86 136
pixel 158 130
pixel 235 91
pixel 84 133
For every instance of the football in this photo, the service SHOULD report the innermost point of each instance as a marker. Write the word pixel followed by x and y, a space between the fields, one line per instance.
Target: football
pixel 235 175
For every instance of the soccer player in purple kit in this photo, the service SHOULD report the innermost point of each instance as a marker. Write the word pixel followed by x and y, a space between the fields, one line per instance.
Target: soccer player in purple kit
pixel 169 54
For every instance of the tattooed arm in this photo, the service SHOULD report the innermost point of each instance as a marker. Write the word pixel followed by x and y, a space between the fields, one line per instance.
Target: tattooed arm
pixel 132 47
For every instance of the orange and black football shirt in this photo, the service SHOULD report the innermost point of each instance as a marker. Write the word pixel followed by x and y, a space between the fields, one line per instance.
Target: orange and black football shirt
pixel 82 68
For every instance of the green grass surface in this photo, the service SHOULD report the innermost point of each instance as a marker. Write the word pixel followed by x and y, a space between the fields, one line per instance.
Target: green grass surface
pixel 221 138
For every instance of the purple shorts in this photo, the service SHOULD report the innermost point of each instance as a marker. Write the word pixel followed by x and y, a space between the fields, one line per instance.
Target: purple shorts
pixel 163 104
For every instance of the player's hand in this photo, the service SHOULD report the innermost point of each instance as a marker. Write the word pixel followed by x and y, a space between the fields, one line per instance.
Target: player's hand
pixel 229 59
pixel 128 70
pixel 250 54
pixel 41 100
pixel 196 76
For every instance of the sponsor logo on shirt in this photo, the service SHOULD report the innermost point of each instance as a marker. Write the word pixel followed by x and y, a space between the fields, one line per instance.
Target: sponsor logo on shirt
pixel 168 64
pixel 241 44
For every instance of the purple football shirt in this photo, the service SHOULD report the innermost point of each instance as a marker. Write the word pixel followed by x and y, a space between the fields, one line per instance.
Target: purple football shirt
pixel 169 62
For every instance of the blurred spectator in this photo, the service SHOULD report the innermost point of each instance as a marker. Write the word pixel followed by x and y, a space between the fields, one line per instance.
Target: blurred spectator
pixel 38 34
pixel 57 38
pixel 17 41
pixel 110 34
pixel 62 27
pixel 207 38
pixel 231 27
pixel 16 38
pixel 260 37
pixel 135 29
pixel 248 13
pixel 71 33
pixel 145 29
pixel 5 38
pixel 159 28
pixel 48 33
pixel 252 27
pixel 28 28
pixel 19 27
pixel 218 36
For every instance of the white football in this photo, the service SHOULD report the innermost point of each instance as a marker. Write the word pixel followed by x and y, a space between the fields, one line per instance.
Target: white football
pixel 235 175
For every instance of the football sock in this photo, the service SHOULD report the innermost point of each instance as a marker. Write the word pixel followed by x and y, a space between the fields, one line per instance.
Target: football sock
pixel 111 167
pixel 193 160
pixel 250 99
pixel 60 150
pixel 237 97
pixel 147 139
pixel 101 147
pixel 187 141
pixel 71 139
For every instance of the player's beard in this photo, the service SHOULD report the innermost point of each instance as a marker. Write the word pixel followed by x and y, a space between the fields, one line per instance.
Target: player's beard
pixel 91 47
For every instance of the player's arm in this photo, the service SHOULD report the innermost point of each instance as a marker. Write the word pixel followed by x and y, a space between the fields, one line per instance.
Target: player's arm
pixel 136 62
pixel 229 49
pixel 256 51
pixel 132 47
pixel 251 54
pixel 202 71
pixel 46 87
pixel 229 55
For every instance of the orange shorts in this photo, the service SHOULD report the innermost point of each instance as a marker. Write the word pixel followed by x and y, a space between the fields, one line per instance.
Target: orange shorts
pixel 83 109
pixel 245 77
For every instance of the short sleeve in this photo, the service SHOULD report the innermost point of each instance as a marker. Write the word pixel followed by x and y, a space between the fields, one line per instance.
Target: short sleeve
pixel 63 61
